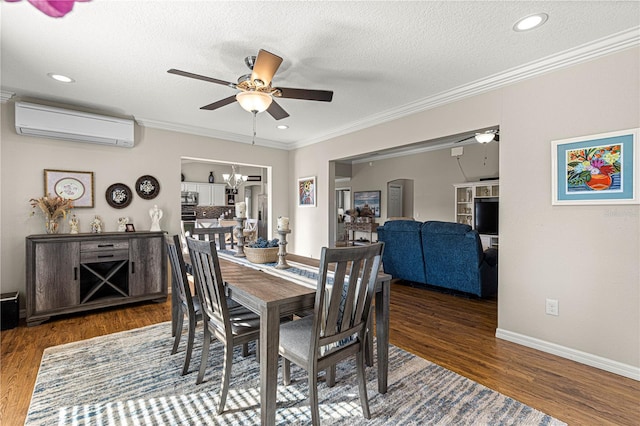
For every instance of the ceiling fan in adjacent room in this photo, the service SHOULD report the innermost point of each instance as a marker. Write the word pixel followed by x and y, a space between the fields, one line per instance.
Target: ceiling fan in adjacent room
pixel 256 93
pixel 484 137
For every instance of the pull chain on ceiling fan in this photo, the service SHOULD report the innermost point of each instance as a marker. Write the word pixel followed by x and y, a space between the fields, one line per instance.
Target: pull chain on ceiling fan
pixel 256 94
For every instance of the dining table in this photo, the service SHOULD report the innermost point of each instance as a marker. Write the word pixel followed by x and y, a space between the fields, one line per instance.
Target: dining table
pixel 273 296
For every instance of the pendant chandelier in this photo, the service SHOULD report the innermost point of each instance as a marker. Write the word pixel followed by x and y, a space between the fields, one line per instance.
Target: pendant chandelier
pixel 234 180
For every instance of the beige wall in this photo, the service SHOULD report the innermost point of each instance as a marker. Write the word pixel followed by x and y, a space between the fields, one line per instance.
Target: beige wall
pixel 157 153
pixel 587 257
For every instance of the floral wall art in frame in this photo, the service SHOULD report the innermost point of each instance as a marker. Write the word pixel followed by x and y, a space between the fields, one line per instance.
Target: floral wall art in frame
pixel 596 169
pixel 76 186
pixel 307 192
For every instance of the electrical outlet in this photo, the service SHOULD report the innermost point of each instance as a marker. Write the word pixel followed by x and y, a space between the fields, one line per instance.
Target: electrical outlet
pixel 551 307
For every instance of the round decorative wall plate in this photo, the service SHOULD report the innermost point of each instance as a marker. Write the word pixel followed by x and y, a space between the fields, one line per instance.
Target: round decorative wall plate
pixel 119 195
pixel 147 187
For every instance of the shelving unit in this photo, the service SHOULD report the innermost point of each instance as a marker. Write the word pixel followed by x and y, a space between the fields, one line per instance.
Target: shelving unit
pixel 465 196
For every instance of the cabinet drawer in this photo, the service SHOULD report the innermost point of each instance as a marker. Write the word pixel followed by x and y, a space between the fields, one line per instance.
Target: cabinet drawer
pixel 104 256
pixel 104 245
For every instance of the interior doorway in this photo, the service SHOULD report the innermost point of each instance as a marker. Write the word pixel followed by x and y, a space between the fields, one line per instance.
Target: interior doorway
pixel 400 198
pixel 200 174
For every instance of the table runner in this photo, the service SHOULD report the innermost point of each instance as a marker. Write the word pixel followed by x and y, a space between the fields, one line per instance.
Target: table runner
pixel 299 273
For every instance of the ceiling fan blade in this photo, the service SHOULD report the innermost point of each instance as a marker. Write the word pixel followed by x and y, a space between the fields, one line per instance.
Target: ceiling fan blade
pixel 306 94
pixel 220 103
pixel 201 77
pixel 465 139
pixel 276 111
pixel 265 67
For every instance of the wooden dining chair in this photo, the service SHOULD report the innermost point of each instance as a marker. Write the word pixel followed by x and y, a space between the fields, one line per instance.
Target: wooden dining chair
pixel 337 328
pixel 218 233
pixel 250 230
pixel 189 304
pixel 231 326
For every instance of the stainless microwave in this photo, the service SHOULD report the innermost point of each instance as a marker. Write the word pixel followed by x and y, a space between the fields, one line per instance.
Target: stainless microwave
pixel 189 198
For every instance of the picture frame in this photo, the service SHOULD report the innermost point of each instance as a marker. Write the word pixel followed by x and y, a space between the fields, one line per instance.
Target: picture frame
pixel 130 228
pixel 75 185
pixel 369 198
pixel 596 169
pixel 307 191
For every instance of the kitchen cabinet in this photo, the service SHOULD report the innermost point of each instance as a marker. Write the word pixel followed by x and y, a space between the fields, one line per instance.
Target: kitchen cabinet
pixel 79 272
pixel 209 194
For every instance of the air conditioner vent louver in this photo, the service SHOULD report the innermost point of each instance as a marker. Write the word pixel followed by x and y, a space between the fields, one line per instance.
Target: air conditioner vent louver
pixel 64 124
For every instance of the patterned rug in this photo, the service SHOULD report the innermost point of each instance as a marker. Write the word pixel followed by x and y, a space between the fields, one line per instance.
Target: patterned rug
pixel 130 378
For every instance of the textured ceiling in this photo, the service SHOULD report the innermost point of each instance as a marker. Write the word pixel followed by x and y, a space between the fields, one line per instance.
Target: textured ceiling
pixel 381 59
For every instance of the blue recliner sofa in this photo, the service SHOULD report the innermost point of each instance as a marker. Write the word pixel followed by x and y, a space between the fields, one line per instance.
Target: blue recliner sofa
pixel 441 254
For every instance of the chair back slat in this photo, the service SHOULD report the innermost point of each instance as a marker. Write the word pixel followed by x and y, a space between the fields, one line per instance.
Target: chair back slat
pixel 342 306
pixel 209 234
pixel 210 285
pixel 179 271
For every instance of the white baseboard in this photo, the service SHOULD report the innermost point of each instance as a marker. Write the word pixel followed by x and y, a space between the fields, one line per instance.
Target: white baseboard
pixel 572 354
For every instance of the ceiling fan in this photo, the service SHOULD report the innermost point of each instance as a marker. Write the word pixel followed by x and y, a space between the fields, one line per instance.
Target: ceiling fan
pixel 256 94
pixel 484 137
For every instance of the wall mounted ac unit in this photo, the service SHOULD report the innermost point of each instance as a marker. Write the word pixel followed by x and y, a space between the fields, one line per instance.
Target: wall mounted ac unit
pixel 58 123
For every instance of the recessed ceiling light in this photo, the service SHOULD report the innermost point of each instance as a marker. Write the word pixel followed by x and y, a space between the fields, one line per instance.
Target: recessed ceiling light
pixel 61 78
pixel 530 22
pixel 282 126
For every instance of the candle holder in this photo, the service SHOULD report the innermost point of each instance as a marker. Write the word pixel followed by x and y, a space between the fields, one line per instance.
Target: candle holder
pixel 282 249
pixel 239 233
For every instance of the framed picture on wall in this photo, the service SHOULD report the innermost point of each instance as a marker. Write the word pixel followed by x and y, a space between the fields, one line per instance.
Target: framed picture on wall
pixel 596 169
pixel 370 199
pixel 307 192
pixel 76 186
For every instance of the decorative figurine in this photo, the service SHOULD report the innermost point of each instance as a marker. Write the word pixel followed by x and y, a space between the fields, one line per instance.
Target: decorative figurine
pixel 156 214
pixel 96 225
pixel 74 224
pixel 122 224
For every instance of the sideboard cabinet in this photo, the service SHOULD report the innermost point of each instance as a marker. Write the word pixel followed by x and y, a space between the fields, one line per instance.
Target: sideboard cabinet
pixel 78 272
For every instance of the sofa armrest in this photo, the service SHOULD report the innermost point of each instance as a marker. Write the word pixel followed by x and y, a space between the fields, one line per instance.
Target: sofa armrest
pixel 491 256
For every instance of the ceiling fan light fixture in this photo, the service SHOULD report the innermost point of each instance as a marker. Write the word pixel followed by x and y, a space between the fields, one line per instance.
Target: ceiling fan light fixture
pixel 253 101
pixel 485 137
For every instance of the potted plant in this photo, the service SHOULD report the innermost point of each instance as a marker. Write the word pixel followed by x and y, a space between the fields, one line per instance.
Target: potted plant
pixel 262 251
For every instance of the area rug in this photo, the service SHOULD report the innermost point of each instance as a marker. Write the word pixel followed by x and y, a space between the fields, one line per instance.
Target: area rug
pixel 130 378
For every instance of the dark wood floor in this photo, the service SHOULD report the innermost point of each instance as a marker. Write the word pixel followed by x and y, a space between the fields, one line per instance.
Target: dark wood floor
pixel 452 331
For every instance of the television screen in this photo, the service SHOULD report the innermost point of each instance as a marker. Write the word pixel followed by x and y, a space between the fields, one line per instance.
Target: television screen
pixel 486 216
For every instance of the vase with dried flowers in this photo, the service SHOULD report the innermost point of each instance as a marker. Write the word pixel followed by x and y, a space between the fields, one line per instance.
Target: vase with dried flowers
pixel 53 208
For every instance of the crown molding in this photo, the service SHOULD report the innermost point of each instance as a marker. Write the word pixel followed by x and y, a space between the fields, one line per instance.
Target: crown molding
pixel 201 131
pixel 586 52
pixel 5 96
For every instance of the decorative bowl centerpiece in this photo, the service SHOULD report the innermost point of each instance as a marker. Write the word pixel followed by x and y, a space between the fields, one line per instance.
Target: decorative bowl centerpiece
pixel 262 251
